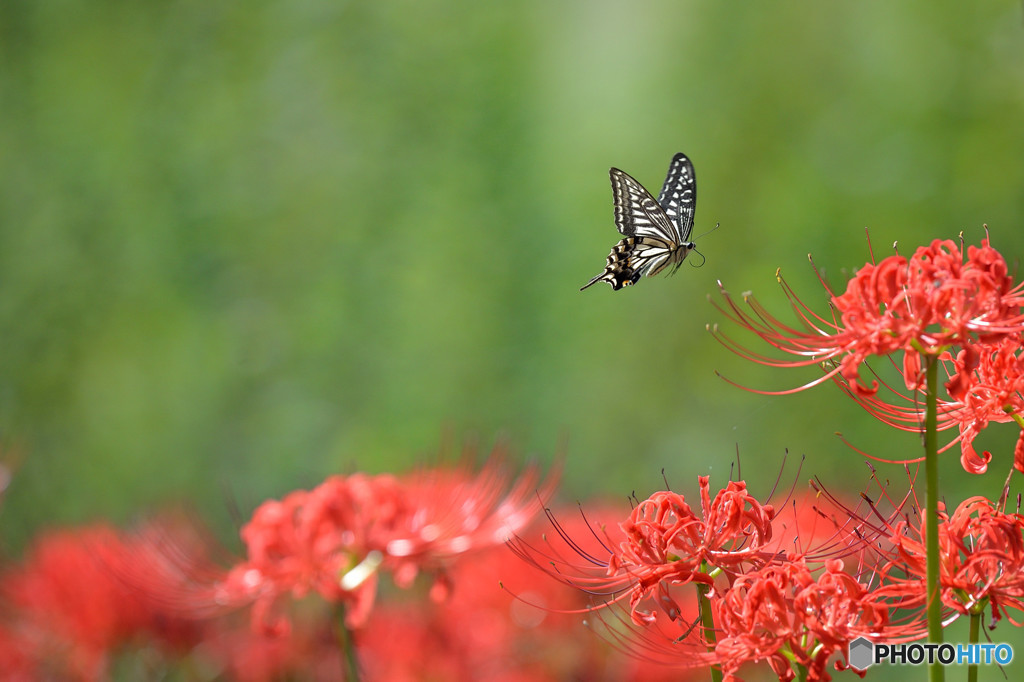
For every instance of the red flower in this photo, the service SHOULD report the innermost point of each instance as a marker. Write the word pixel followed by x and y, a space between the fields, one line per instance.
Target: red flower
pixel 312 541
pixel 667 544
pixel 964 313
pixel 69 608
pixel 981 559
pixel 921 305
pixel 662 545
pixel 928 303
pixel 803 602
pixel 782 614
pixel 807 586
pixel 985 384
pixel 335 539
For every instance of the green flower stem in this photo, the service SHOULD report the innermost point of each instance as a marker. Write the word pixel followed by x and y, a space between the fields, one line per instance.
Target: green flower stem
pixel 707 623
pixel 972 638
pixel 936 673
pixel 348 647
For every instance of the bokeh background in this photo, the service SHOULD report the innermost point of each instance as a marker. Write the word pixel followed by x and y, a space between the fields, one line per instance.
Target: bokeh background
pixel 247 245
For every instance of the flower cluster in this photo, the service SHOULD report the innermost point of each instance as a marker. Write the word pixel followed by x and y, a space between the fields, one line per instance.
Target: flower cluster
pixel 788 585
pixel 961 310
pixel 925 304
pixel 667 544
pixel 981 560
pixel 335 539
pixel 64 610
pixel 784 586
pixel 85 605
pixel 792 613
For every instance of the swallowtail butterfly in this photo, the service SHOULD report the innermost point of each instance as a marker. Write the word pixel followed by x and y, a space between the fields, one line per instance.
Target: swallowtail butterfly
pixel 655 232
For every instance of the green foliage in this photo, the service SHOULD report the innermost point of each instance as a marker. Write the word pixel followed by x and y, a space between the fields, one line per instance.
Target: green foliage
pixel 245 245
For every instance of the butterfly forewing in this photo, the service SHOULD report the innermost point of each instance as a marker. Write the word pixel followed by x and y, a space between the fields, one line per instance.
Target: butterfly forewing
pixel 655 231
pixel 636 211
pixel 678 196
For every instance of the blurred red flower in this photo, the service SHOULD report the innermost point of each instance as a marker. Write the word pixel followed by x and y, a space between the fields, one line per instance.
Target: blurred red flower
pixel 335 539
pixel 67 609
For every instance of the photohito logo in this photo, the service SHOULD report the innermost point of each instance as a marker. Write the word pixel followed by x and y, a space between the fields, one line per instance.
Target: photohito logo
pixel 863 653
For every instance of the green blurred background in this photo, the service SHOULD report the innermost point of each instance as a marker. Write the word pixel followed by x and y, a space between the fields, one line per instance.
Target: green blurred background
pixel 246 245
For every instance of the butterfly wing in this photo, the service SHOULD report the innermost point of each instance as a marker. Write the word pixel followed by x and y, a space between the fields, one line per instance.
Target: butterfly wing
pixel 632 258
pixel 655 231
pixel 636 211
pixel 678 197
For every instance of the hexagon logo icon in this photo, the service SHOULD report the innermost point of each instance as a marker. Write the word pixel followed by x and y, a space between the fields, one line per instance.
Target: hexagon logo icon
pixel 861 653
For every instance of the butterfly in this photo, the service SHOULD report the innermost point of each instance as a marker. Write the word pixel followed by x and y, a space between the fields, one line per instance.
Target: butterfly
pixel 656 232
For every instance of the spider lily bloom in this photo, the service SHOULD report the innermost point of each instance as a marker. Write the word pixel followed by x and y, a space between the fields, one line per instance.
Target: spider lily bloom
pixel 335 539
pixel 454 511
pixel 784 614
pixel 921 306
pixel 528 631
pixel 981 559
pixel 67 612
pixel 310 541
pixel 662 544
pixel 985 384
pixel 745 559
pixel 579 555
pixel 667 544
pixel 786 608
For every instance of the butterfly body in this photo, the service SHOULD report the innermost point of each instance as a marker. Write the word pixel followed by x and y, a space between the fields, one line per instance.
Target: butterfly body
pixel 655 231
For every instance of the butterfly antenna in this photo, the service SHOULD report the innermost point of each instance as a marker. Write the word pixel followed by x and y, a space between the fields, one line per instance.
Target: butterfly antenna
pixel 717 225
pixel 703 260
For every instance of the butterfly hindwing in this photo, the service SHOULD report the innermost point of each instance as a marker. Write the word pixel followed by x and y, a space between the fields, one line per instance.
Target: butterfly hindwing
pixel 632 258
pixel 655 231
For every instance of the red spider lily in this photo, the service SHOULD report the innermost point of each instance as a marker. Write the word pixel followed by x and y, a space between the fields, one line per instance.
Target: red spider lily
pixel 985 384
pixel 921 305
pixel 311 541
pixel 981 560
pixel 664 544
pixel 783 614
pixel 667 544
pixel 335 539
pixel 930 302
pixel 791 587
pixel 240 654
pixel 68 610
pixel 479 632
pixel 482 632
pixel 546 613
